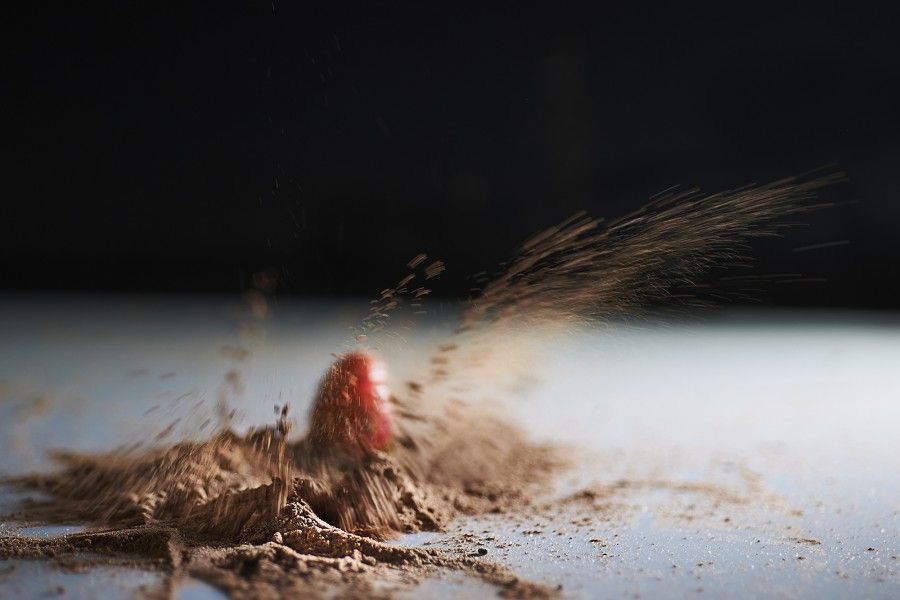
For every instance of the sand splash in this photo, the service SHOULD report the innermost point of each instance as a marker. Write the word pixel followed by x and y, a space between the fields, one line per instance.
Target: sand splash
pixel 258 515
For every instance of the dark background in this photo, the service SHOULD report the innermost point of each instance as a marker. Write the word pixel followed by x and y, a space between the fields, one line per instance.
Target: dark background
pixel 161 148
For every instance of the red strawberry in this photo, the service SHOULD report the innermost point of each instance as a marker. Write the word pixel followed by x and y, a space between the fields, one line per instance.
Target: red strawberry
pixel 352 410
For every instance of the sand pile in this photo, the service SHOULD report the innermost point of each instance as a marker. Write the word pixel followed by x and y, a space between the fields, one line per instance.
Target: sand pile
pixel 257 515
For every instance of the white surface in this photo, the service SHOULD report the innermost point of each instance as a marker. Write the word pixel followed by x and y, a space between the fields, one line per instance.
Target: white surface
pixel 803 408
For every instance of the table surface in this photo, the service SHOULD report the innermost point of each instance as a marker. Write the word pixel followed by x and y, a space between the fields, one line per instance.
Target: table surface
pixel 744 454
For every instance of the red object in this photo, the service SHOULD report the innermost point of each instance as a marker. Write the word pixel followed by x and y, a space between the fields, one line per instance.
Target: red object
pixel 352 410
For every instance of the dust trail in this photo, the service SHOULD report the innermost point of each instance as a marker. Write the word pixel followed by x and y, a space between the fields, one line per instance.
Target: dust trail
pixel 583 271
pixel 579 270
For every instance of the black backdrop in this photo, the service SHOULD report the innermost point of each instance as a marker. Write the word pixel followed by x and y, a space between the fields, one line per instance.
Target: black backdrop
pixel 156 148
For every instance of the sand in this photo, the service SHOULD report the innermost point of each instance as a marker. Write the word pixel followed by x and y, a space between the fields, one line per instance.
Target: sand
pixel 258 516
